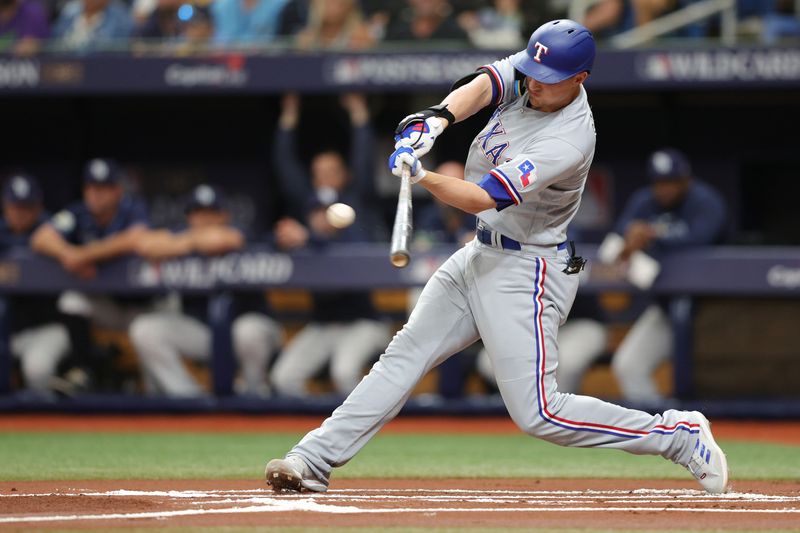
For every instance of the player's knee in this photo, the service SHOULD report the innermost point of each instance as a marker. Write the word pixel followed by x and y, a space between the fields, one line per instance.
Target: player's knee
pixel 145 333
pixel 620 368
pixel 254 332
pixel 286 381
pixel 35 373
pixel 345 378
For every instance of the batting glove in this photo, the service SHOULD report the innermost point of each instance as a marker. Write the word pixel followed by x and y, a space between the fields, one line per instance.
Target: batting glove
pixel 405 156
pixel 418 132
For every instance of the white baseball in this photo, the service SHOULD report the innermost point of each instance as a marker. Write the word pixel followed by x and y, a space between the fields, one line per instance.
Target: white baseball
pixel 340 215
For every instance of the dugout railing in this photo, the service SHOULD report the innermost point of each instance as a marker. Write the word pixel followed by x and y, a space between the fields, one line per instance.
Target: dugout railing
pixel 728 273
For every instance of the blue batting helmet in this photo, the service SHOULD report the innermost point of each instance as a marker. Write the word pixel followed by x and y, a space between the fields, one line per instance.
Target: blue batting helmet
pixel 557 50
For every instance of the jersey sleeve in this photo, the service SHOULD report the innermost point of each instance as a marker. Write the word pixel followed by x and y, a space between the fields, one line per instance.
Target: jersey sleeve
pixel 138 215
pixel 502 75
pixel 521 179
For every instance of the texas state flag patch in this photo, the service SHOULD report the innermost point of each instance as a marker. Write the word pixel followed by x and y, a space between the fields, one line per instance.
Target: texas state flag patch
pixel 526 169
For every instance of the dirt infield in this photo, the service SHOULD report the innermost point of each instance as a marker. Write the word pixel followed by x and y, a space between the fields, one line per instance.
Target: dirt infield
pixel 500 503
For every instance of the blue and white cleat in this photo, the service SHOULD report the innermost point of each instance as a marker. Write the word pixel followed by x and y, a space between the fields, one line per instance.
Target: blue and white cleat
pixel 292 474
pixel 708 463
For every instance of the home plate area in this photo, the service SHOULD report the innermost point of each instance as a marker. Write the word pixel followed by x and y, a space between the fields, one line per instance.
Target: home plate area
pixel 475 502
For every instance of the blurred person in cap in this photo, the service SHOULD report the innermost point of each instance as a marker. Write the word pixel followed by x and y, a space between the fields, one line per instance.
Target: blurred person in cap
pixel 42 337
pixel 23 26
pixel 88 24
pixel 674 212
pixel 163 338
pixel 344 329
pixel 103 226
pixel 38 339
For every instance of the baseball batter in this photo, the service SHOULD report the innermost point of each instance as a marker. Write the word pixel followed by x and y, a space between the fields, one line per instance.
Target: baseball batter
pixel 514 284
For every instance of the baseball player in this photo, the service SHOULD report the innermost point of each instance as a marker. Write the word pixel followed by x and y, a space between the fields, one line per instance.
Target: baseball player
pixel 513 285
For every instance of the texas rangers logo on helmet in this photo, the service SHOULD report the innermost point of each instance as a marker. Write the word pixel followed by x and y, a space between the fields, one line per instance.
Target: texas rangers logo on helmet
pixel 540 49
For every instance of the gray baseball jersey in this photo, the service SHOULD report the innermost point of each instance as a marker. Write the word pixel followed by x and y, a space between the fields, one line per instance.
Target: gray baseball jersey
pixel 534 164
pixel 512 297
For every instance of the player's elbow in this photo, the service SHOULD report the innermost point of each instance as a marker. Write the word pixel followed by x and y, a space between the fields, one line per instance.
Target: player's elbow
pixel 40 241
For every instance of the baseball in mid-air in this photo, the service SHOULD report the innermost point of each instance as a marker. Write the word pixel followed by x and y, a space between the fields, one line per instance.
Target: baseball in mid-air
pixel 340 215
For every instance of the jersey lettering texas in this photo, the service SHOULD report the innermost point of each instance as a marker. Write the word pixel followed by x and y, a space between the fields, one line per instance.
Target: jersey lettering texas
pixel 494 152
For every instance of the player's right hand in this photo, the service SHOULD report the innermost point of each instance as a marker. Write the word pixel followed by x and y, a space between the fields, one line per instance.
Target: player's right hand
pixel 406 156
pixel 419 131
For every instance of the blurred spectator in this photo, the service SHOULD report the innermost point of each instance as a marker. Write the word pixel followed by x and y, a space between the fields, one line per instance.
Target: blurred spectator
pixel 781 21
pixel 105 225
pixel 87 24
pixel 23 26
pixel 500 26
pixel 335 25
pixel 609 17
pixel 344 328
pixel 184 25
pixel 38 339
pixel 246 21
pixel 425 20
pixel 675 212
pixel 293 18
pixel 161 338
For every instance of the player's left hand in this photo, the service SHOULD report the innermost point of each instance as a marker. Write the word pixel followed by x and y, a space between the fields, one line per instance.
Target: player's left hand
pixel 406 156
pixel 419 132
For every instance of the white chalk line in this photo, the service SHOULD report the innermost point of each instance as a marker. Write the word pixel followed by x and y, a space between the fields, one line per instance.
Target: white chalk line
pixel 656 500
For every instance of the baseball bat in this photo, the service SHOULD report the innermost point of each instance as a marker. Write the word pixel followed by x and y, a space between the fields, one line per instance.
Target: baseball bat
pixel 403 226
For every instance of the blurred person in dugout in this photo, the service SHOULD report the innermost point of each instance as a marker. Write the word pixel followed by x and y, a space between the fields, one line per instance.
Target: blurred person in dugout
pixel 675 212
pixel 162 338
pixel 335 25
pixel 23 26
pixel 344 329
pixel 105 225
pixel 38 338
pixel 86 24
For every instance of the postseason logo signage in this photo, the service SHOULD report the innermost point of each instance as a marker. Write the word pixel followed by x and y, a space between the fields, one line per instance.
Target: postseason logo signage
pixel 721 65
pixel 413 70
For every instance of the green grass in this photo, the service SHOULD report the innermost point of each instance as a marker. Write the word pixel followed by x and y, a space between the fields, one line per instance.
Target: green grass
pixel 64 456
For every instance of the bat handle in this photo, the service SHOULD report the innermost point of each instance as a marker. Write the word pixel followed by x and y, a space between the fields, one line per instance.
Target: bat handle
pixel 403 227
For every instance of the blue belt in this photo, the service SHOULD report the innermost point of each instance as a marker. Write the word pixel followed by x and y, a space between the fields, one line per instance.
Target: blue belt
pixel 485 236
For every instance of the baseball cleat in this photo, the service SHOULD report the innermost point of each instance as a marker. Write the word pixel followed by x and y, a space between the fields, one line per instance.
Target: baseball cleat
pixel 292 474
pixel 708 463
